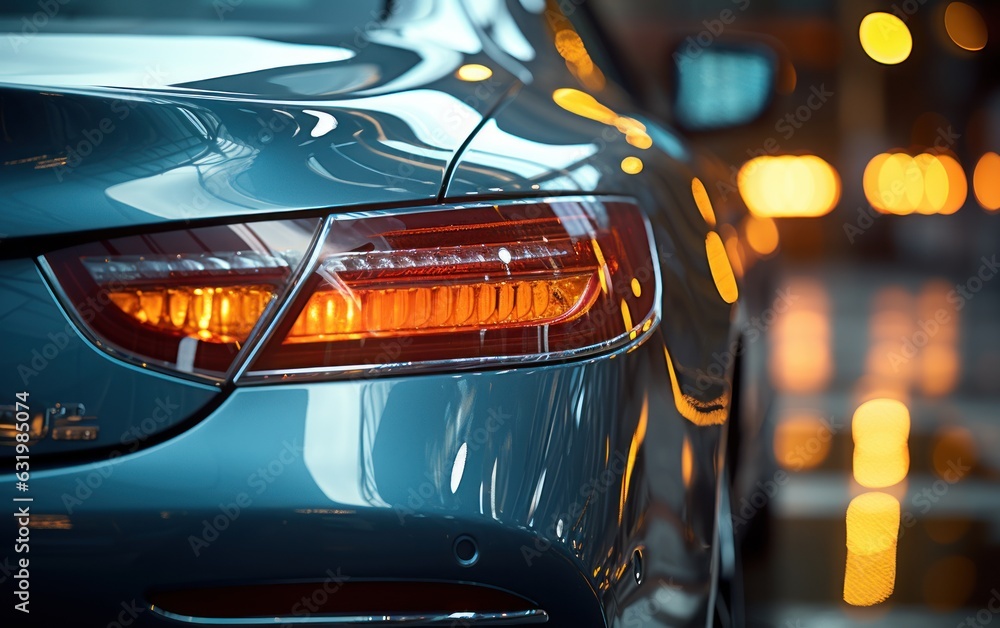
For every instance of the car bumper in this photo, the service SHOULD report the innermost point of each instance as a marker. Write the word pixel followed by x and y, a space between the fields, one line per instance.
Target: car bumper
pixel 557 473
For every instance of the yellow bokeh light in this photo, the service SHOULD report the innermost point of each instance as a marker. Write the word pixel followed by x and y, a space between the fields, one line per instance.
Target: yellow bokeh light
pixel 733 248
pixel 722 270
pixel 801 353
pixel 881 429
pixel 585 105
pixel 802 442
pixel 631 165
pixel 958 185
pixel 789 186
pixel 939 369
pixel 986 181
pixel 885 38
pixel 687 461
pixel 965 26
pixel 897 183
pixel 954 453
pixel 473 72
pixel 872 532
pixel 761 235
pixel 701 199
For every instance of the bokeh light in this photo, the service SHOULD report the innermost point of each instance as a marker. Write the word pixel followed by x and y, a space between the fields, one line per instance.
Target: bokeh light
pixel 872 532
pixel 802 441
pixel 897 183
pixel 954 452
pixel 789 186
pixel 761 235
pixel 722 270
pixel 631 165
pixel 473 72
pixel 801 354
pixel 701 199
pixel 885 38
pixel 986 181
pixel 881 429
pixel 965 26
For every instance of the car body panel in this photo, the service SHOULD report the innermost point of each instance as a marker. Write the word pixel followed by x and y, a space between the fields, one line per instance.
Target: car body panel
pixel 365 478
pixel 320 126
pixel 46 355
pixel 625 449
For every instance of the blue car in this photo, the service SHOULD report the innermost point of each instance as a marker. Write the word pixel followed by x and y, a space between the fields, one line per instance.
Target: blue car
pixel 372 313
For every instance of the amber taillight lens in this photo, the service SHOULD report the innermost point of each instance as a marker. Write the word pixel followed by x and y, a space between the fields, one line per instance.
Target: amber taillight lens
pixel 185 300
pixel 467 285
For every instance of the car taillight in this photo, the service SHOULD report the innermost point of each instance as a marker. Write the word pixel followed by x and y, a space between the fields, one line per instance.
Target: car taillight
pixel 185 300
pixel 468 285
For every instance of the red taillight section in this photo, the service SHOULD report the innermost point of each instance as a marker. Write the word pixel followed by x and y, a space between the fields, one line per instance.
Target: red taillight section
pixel 515 281
pixel 185 300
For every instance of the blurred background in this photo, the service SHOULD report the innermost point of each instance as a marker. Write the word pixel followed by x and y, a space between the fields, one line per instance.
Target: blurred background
pixel 862 213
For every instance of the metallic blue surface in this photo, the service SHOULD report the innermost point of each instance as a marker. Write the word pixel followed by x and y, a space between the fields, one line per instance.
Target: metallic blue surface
pixel 559 472
pixel 45 355
pixel 365 479
pixel 299 125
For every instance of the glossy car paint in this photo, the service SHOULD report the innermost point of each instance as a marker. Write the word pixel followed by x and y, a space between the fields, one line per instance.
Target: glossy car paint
pixel 569 468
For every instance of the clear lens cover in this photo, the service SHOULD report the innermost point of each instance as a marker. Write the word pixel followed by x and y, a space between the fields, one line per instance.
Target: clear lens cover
pixel 468 285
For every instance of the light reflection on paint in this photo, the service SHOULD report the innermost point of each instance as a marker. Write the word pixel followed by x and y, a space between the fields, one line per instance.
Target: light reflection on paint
pixel 631 165
pixel 633 451
pixel 473 72
pixel 722 270
pixel 571 48
pixel 687 461
pixel 458 467
pixel 586 106
pixel 701 199
pixel 692 409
